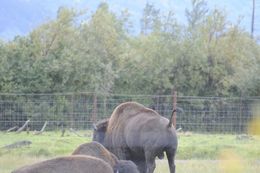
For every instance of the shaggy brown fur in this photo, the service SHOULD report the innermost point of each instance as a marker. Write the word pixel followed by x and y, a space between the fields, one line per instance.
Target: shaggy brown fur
pixel 95 149
pixel 69 164
pixel 117 123
pixel 125 111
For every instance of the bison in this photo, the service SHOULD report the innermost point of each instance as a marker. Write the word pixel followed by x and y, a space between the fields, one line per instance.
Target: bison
pixel 134 132
pixel 95 149
pixel 68 164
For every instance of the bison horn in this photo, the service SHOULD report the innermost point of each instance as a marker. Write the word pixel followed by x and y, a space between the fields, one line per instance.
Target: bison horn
pixel 94 127
pixel 170 122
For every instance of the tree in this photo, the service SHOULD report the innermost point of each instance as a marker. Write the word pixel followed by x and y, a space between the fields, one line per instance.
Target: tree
pixel 197 14
pixel 51 51
pixel 210 56
pixel 101 45
pixel 150 21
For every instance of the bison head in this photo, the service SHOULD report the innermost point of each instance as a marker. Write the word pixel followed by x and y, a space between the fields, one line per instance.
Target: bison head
pixel 100 129
pixel 126 166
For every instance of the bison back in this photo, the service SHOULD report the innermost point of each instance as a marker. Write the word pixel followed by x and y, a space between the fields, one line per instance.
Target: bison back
pixel 75 164
pixel 96 149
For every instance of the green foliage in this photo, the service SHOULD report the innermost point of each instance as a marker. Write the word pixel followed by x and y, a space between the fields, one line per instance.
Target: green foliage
pixel 208 57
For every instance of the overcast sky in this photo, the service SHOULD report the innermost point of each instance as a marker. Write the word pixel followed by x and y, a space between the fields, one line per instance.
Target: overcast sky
pixel 19 17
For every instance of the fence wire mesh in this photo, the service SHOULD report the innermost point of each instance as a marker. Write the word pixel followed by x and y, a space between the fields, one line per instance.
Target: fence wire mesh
pixel 80 110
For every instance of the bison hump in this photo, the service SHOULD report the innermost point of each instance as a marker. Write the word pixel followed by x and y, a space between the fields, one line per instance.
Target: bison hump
pixel 127 110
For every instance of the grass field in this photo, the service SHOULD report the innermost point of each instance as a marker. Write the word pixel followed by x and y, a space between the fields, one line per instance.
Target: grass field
pixel 196 152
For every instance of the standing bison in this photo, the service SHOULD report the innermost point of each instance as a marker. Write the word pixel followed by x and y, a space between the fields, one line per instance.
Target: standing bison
pixel 68 164
pixel 134 132
pixel 97 150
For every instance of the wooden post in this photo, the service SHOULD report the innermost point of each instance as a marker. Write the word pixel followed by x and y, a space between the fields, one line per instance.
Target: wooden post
pixel 71 113
pixel 174 107
pixel 94 112
pixel 105 106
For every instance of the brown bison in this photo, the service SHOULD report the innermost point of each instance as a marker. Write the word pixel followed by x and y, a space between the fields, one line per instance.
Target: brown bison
pixel 95 149
pixel 69 164
pixel 140 134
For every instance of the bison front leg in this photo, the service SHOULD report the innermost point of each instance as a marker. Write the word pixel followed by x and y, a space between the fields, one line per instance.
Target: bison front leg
pixel 170 156
pixel 150 162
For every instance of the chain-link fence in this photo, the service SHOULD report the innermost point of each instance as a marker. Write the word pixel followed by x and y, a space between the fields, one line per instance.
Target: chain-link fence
pixel 80 110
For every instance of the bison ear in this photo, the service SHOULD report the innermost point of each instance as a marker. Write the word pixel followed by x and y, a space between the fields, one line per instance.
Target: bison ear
pixel 94 127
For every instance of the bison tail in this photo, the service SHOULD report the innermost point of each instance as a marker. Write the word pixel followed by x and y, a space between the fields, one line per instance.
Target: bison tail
pixel 170 122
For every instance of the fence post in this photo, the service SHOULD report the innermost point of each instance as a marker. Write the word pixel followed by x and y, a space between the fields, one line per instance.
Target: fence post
pixel 94 111
pixel 105 106
pixel 174 107
pixel 71 113
pixel 240 128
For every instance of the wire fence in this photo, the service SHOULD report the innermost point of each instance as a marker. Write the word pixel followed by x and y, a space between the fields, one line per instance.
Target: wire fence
pixel 80 110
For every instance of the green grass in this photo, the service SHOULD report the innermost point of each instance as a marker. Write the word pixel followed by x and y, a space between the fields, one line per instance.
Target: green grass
pixel 206 166
pixel 201 146
pixel 196 152
pixel 47 144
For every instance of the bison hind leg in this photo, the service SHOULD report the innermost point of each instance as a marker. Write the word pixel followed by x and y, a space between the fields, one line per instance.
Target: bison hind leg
pixel 171 156
pixel 150 161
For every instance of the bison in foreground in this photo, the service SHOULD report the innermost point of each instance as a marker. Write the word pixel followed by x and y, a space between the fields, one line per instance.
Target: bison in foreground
pixel 69 164
pixel 95 149
pixel 134 132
